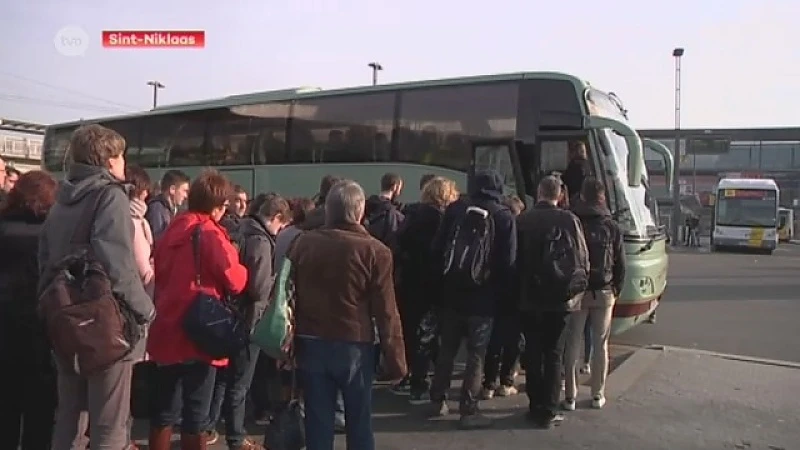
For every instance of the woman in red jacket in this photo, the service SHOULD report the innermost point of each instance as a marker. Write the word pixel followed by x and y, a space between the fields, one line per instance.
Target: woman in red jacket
pixel 182 369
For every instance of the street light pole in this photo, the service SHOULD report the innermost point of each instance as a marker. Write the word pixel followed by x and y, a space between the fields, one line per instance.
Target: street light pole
pixel 375 68
pixel 676 169
pixel 156 86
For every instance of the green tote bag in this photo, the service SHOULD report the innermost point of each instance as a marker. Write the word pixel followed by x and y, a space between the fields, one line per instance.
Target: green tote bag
pixel 274 333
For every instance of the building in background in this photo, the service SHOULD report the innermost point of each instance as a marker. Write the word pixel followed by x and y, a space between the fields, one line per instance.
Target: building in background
pixel 21 144
pixel 707 155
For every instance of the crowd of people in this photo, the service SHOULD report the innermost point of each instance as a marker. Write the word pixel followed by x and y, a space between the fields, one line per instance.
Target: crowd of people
pixel 382 291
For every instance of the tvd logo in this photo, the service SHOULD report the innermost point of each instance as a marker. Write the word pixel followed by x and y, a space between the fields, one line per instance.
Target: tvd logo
pixel 71 41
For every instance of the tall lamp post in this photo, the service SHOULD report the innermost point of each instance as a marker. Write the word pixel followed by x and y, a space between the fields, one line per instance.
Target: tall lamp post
pixel 676 185
pixel 375 68
pixel 156 86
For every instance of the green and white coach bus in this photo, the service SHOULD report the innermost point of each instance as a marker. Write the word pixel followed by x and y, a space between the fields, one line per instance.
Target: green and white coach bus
pixel 519 124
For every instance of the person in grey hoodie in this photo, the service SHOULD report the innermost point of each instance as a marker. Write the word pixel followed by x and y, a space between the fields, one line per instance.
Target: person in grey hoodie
pixel 257 233
pixel 99 165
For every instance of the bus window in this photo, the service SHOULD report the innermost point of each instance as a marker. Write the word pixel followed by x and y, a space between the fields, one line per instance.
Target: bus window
pixel 747 208
pixel 344 128
pixel 438 123
pixel 498 159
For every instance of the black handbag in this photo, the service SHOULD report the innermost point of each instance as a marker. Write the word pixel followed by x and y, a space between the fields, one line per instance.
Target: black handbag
pixel 286 430
pixel 213 324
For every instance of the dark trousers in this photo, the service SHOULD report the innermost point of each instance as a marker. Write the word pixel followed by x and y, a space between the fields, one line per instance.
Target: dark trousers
pixel 182 393
pixel 426 349
pixel 230 393
pixel 28 405
pixel 326 368
pixel 502 353
pixel 545 340
pixel 477 332
pixel 262 387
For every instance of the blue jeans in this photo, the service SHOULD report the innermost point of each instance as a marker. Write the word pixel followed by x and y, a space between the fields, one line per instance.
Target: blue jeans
pixel 587 342
pixel 230 393
pixel 182 391
pixel 327 368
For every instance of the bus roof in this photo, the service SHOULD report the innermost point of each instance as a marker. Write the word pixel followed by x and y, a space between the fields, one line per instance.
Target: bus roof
pixel 284 95
pixel 748 183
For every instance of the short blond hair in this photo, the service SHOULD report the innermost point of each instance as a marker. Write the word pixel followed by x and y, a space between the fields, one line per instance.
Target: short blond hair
pixel 439 192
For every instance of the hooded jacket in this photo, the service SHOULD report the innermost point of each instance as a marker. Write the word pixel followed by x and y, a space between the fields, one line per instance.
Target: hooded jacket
pixel 256 252
pixel 176 268
pixel 599 215
pixel 111 237
pixel 486 191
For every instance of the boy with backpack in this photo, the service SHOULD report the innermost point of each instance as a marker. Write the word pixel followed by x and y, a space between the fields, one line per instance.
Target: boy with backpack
pixel 606 277
pixel 476 245
pixel 553 270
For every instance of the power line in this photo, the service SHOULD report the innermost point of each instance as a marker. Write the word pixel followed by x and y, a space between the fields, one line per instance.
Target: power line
pixel 67 105
pixel 63 89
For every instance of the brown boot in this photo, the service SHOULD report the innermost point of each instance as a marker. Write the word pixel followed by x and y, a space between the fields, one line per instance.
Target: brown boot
pixel 160 438
pixel 193 442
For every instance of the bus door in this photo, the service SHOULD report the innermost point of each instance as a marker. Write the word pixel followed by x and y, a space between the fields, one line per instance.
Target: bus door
pixel 501 156
pixel 550 154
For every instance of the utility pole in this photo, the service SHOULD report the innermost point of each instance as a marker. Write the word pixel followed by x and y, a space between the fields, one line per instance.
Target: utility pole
pixel 375 68
pixel 676 185
pixel 156 86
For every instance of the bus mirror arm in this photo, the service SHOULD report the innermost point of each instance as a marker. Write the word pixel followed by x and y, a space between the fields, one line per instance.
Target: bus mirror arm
pixel 635 161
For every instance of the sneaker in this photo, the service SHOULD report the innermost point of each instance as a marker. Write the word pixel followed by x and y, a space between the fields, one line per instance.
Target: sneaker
pixel 261 420
pixel 598 401
pixel 419 398
pixel 247 444
pixel 487 393
pixel 439 409
pixel 568 404
pixel 211 437
pixel 402 388
pixel 585 369
pixel 474 422
pixel 506 391
pixel 544 419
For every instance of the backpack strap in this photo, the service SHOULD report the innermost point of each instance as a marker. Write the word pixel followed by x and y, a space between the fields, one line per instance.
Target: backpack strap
pixel 83 231
pixel 196 253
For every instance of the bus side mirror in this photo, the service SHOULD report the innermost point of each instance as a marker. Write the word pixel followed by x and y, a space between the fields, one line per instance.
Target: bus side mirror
pixel 666 155
pixel 635 162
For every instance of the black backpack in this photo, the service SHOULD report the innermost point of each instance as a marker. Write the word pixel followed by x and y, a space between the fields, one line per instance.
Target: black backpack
pixel 468 251
pixel 561 271
pixel 601 259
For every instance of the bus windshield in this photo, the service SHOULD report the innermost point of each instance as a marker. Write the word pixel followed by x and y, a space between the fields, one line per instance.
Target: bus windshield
pixel 633 212
pixel 747 208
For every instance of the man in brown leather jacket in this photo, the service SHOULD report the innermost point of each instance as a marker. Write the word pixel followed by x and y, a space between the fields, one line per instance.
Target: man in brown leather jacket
pixel 343 279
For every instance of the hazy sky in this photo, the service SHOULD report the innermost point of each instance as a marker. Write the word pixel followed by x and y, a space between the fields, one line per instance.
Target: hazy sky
pixel 741 67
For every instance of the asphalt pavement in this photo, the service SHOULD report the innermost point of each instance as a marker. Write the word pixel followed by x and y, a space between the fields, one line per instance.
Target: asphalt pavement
pixel 736 303
pixel 676 394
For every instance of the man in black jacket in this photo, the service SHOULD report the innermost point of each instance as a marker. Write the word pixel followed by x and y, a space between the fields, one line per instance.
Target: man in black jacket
pixel 606 278
pixel 552 265
pixel 467 310
pixel 163 207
